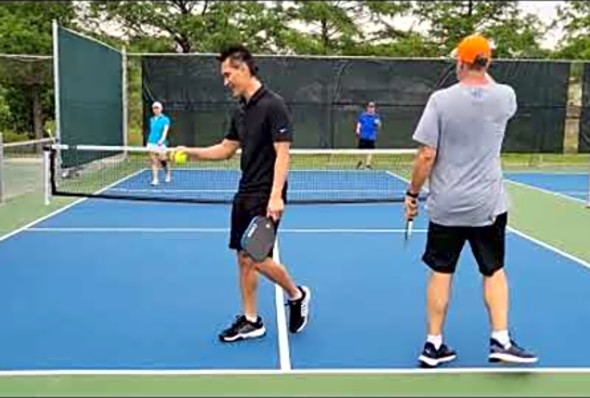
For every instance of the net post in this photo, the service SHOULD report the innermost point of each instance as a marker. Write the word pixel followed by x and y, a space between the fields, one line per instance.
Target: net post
pixel 56 80
pixel 125 99
pixel 46 177
pixel 1 169
pixel 56 87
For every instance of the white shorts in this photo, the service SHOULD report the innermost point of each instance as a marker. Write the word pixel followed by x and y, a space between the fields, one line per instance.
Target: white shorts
pixel 157 148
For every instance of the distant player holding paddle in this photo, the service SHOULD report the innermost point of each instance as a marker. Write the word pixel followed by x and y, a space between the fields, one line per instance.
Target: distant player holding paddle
pixel 460 135
pixel 261 127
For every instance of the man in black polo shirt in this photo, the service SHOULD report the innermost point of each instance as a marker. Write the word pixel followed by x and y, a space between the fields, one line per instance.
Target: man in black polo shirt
pixel 261 126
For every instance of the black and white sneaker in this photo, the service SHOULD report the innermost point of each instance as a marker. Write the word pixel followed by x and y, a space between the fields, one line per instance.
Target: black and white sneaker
pixel 512 354
pixel 431 357
pixel 299 310
pixel 243 329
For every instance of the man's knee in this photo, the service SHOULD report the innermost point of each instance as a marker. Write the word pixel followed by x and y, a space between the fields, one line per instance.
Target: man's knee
pixel 490 272
pixel 245 260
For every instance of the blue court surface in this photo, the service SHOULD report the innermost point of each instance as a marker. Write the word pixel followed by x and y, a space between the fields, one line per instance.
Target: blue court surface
pixel 115 285
pixel 574 186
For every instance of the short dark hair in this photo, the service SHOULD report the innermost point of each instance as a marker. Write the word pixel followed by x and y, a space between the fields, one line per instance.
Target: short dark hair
pixel 239 53
pixel 480 63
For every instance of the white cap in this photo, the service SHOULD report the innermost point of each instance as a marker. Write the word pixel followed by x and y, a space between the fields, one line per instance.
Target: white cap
pixel 157 104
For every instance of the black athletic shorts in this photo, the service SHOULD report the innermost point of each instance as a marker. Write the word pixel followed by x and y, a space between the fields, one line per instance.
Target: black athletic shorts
pixel 366 144
pixel 244 208
pixel 444 245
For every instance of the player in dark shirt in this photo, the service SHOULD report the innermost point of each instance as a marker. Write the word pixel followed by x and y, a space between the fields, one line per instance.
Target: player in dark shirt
pixel 262 128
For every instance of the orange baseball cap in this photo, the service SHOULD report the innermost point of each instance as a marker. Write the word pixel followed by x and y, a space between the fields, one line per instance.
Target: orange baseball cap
pixel 473 46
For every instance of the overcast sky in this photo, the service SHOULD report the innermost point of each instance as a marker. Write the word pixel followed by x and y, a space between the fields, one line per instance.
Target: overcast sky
pixel 546 10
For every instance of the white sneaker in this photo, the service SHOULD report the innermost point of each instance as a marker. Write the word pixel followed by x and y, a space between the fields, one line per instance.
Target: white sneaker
pixel 155 182
pixel 168 178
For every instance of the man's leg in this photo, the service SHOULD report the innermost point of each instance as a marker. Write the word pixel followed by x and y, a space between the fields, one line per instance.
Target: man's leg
pixel 370 145
pixel 495 289
pixel 488 246
pixel 437 301
pixel 361 145
pixel 443 247
pixel 248 286
pixel 298 296
pixel 248 325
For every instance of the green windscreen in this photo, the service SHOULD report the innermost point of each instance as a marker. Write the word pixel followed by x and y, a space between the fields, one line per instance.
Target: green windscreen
pixel 90 92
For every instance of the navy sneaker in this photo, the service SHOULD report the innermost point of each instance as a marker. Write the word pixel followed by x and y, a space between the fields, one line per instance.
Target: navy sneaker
pixel 243 329
pixel 431 357
pixel 299 310
pixel 512 354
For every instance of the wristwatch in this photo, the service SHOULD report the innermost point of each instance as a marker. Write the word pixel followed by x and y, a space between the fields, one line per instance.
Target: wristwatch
pixel 412 195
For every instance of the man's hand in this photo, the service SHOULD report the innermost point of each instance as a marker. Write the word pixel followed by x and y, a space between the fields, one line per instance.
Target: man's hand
pixel 410 207
pixel 190 152
pixel 276 206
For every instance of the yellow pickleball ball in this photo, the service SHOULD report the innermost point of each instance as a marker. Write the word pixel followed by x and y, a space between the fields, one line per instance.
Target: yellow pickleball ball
pixel 180 157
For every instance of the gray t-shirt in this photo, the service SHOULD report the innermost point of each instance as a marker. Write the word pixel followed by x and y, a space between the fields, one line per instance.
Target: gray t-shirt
pixel 466 125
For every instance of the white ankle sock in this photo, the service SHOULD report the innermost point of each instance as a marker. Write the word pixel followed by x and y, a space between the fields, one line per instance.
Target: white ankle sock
pixel 502 337
pixel 252 319
pixel 436 340
pixel 299 295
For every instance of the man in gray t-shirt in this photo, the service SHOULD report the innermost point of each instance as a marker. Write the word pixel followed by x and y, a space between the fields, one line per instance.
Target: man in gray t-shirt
pixel 460 135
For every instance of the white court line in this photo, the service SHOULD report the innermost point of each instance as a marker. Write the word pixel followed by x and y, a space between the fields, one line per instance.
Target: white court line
pixel 283 337
pixel 558 194
pixel 62 209
pixel 550 247
pixel 215 230
pixel 327 371
pixel 557 173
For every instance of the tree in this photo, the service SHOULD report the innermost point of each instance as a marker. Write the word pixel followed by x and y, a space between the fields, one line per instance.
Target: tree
pixel 191 26
pixel 25 28
pixel 342 27
pixel 322 27
pixel 515 33
pixel 574 18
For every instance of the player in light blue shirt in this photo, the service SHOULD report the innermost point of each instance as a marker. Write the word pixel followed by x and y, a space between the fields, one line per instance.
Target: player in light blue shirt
pixel 367 128
pixel 157 142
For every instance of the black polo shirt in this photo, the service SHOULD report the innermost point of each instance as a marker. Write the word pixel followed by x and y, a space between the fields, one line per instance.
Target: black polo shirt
pixel 257 124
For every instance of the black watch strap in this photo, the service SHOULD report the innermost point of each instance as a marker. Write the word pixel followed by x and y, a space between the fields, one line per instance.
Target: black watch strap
pixel 412 195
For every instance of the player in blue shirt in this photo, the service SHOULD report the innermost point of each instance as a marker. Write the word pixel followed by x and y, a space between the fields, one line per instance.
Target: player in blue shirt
pixel 157 142
pixel 367 128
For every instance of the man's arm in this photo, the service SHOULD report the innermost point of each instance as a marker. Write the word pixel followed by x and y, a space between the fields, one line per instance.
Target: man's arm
pixel 423 163
pixel 281 168
pixel 358 128
pixel 281 129
pixel 427 135
pixel 224 150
